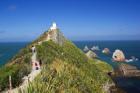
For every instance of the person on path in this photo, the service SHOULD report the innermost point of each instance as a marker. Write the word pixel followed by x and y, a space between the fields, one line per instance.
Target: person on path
pixel 33 49
pixel 36 66
pixel 40 62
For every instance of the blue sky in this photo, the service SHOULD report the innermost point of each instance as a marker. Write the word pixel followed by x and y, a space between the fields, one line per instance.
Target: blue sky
pixel 25 20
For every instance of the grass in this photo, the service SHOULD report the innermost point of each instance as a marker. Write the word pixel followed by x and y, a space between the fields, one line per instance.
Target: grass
pixel 18 67
pixel 66 69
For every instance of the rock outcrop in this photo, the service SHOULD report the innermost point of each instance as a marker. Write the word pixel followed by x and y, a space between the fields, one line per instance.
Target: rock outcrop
pixel 106 51
pixel 91 54
pixel 95 48
pixel 53 34
pixel 118 56
pixel 86 49
pixel 128 71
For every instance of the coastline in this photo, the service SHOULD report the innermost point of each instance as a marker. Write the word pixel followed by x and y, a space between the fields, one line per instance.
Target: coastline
pixel 8 50
pixel 120 79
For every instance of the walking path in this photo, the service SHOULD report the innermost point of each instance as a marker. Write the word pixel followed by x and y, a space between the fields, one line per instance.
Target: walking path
pixel 28 79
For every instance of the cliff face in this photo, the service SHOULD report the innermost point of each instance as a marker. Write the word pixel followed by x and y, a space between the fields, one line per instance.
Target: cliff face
pixel 65 68
pixel 55 35
pixel 127 70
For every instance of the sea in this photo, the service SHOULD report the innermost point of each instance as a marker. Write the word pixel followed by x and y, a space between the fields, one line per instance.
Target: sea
pixel 8 50
pixel 130 48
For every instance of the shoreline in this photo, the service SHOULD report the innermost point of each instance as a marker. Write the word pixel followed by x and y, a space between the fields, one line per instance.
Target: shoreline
pixel 121 84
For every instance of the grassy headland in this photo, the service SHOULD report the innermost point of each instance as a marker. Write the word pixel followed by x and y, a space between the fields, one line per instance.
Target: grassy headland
pixel 65 69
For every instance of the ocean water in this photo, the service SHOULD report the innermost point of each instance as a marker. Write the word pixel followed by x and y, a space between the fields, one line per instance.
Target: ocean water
pixel 130 48
pixel 8 50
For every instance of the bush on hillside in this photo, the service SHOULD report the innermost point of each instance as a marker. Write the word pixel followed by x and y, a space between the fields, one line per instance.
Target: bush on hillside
pixel 17 72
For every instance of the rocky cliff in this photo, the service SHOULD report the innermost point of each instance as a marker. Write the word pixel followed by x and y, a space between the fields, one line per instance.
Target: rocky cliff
pixel 127 70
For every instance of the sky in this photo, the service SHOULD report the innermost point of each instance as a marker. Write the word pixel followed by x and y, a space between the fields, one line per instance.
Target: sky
pixel 25 20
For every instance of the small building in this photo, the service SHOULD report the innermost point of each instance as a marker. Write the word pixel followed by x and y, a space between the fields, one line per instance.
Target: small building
pixel 53 27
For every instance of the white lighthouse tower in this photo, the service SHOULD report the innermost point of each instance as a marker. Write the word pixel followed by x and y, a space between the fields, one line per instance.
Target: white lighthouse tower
pixel 53 27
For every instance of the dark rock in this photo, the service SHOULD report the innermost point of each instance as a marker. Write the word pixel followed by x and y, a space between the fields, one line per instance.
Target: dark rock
pixel 127 71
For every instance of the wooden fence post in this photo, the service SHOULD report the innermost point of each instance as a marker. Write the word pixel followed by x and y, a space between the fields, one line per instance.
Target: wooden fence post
pixel 10 85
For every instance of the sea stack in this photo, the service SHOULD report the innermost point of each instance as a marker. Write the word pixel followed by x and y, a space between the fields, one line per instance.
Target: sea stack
pixel 95 48
pixel 91 54
pixel 118 56
pixel 86 49
pixel 106 51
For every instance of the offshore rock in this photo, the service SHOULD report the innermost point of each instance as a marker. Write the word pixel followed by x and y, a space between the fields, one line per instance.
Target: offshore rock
pixel 86 49
pixel 91 54
pixel 118 56
pixel 106 51
pixel 127 70
pixel 95 48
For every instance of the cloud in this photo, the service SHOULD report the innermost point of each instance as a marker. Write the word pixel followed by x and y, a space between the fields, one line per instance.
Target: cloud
pixel 12 7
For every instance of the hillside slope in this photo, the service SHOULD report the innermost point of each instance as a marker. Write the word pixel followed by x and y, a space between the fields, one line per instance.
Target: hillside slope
pixel 65 67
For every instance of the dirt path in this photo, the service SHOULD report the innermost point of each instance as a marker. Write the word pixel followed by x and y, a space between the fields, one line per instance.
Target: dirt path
pixel 27 79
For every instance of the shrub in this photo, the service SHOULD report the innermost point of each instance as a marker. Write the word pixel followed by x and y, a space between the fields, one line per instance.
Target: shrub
pixel 17 72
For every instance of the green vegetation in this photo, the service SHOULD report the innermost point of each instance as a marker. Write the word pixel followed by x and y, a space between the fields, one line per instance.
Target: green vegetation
pixel 17 68
pixel 66 69
pixel 17 72
pixel 102 66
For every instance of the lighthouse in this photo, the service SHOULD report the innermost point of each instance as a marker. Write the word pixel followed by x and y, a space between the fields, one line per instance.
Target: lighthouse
pixel 53 27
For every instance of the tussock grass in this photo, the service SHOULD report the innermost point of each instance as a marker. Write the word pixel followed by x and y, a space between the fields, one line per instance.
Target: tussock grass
pixel 66 69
